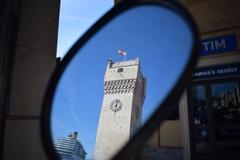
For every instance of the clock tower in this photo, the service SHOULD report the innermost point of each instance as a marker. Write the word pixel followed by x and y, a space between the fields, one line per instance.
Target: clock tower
pixel 124 93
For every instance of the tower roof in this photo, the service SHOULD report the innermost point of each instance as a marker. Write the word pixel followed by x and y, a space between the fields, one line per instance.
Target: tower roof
pixel 135 61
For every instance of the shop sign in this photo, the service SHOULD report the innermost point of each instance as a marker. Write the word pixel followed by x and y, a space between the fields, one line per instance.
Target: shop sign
pixel 228 70
pixel 217 45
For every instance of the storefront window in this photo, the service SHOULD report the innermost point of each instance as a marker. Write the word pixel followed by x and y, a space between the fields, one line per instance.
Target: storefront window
pixel 216 118
pixel 226 110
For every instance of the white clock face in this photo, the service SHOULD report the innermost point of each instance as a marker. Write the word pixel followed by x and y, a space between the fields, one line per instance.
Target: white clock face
pixel 116 105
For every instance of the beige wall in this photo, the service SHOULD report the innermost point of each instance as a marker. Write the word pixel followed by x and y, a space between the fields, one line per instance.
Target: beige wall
pixel 214 15
pixel 34 61
pixel 170 134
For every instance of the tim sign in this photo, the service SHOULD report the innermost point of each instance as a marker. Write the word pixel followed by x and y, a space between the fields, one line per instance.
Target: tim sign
pixel 217 45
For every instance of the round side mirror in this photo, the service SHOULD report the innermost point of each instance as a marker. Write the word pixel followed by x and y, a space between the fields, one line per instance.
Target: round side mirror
pixel 119 81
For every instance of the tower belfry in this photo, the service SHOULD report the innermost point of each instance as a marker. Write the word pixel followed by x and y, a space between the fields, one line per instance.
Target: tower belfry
pixel 124 93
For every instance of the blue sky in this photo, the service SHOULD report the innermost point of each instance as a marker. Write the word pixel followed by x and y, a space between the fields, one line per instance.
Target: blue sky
pixel 162 44
pixel 76 16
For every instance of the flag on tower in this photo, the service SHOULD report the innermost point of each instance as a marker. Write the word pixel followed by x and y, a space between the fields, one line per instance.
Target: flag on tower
pixel 122 52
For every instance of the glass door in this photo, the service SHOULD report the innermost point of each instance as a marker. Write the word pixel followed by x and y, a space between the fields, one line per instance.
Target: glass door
pixel 225 103
pixel 200 130
pixel 215 119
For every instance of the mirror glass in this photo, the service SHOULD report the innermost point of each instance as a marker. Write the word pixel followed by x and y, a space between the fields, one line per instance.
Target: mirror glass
pixel 116 80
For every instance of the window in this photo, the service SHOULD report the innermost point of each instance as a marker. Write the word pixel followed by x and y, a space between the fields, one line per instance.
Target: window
pixel 120 70
pixel 215 115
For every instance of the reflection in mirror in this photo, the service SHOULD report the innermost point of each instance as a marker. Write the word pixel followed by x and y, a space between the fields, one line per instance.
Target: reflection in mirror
pixel 116 81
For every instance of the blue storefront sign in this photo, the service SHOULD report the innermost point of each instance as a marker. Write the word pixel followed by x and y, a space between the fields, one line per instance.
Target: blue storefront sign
pixel 220 71
pixel 217 45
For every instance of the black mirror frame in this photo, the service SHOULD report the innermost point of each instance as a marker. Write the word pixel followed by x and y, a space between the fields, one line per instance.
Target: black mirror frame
pixel 133 148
